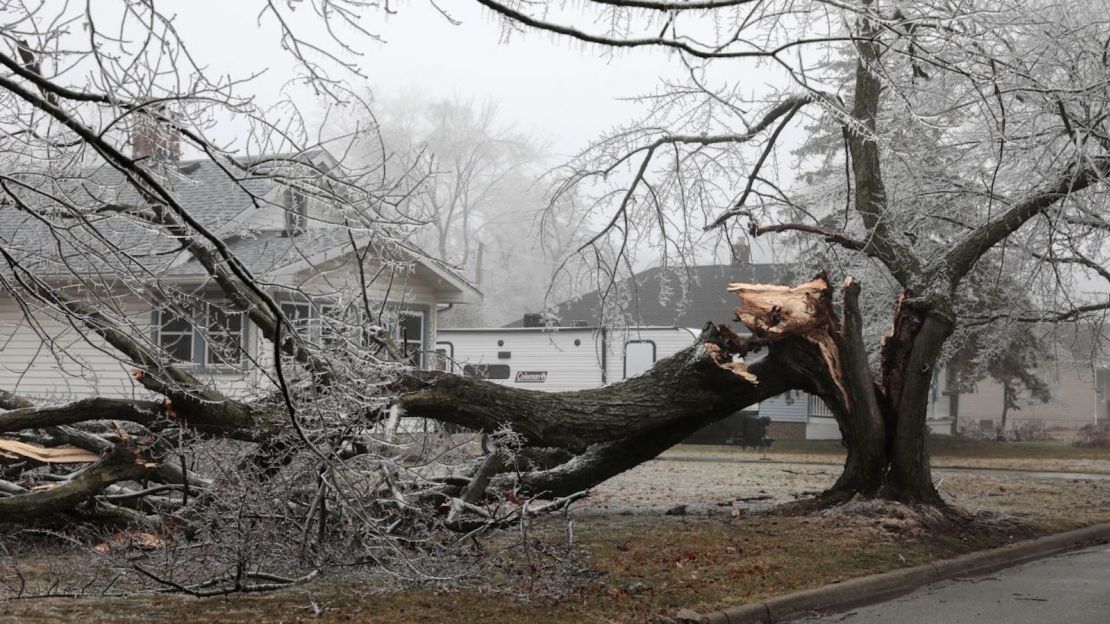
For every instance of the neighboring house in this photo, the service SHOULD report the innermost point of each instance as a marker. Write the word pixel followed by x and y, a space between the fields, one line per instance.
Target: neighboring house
pixel 1080 395
pixel 604 339
pixel 293 244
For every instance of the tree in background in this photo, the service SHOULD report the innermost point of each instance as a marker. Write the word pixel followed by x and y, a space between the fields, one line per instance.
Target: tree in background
pixel 484 202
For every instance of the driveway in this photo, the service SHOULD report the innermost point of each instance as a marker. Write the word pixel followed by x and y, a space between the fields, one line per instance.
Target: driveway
pixel 1073 588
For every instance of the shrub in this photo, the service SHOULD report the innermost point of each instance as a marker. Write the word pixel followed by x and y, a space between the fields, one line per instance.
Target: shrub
pixel 1033 431
pixel 1093 436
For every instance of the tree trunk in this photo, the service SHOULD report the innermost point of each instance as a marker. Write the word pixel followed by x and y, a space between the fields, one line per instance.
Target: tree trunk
pixel 696 383
pixel 910 355
pixel 790 364
pixel 861 421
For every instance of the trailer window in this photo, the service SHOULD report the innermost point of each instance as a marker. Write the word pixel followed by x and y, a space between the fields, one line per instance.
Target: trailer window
pixel 639 356
pixel 486 371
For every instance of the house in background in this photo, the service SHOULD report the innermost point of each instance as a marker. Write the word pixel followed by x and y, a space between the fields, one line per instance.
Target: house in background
pixel 293 244
pixel 1077 372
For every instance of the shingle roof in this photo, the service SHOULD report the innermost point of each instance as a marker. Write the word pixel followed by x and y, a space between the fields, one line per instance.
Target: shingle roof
pixel 271 251
pixel 201 186
pixel 122 244
pixel 678 296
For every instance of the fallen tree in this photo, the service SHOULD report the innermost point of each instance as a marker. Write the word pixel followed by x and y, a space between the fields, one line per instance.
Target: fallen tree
pixel 305 466
pixel 606 430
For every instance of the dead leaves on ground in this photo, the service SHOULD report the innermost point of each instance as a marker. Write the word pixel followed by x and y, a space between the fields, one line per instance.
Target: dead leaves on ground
pixel 131 539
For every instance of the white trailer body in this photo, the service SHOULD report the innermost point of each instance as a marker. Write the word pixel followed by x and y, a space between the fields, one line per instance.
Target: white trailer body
pixel 559 358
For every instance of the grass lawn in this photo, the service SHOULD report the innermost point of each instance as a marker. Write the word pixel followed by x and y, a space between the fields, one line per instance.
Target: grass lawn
pixel 637 564
pixel 633 573
pixel 959 447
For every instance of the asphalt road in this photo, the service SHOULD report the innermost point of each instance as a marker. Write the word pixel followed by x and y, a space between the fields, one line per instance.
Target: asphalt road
pixel 1073 588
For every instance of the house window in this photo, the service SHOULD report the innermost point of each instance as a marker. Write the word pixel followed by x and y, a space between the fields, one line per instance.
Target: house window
pixel 333 325
pixel 341 326
pixel 225 337
pixel 410 335
pixel 299 315
pixel 175 335
pixel 296 212
pixel 220 341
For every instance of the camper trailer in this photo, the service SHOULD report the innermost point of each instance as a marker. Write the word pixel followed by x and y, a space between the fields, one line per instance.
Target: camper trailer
pixel 557 358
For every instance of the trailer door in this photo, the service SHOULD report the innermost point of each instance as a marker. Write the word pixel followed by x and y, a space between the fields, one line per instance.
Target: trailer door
pixel 639 356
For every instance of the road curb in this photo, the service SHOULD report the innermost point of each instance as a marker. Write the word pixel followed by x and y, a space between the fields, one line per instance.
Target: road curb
pixel 880 587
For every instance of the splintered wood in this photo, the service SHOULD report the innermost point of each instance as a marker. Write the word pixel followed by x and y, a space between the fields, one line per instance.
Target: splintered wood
pixel 773 312
pixel 724 360
pixel 15 450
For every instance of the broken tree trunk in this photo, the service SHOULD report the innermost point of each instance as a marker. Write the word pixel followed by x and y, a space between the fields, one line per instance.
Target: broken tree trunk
pixel 790 364
pixel 909 358
pixel 881 418
pixel 857 411
pixel 120 464
pixel 618 427
pixel 698 382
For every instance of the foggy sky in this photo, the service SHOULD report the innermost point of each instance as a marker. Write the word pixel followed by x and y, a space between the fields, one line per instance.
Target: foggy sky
pixel 547 86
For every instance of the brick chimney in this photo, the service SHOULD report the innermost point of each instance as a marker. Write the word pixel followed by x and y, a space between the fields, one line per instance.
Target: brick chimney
pixel 153 139
pixel 741 253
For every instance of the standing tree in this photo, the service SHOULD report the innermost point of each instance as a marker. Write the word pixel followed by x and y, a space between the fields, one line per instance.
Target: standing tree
pixel 961 133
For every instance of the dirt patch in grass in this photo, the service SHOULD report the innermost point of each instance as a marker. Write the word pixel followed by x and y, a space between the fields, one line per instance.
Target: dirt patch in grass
pixel 637 563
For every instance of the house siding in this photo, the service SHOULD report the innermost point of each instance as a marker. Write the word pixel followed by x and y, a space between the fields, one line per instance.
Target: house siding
pixel 81 364
pixel 791 406
pixel 1074 402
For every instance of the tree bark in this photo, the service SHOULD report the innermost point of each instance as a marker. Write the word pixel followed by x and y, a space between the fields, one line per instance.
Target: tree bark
pixel 120 464
pixel 791 363
pixel 910 355
pixel 696 383
pixel 861 422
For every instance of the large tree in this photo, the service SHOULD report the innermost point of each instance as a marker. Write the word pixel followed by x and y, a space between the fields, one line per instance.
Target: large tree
pixel 958 134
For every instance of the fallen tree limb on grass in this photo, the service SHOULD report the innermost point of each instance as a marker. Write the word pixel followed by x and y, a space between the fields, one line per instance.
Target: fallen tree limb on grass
pixel 120 464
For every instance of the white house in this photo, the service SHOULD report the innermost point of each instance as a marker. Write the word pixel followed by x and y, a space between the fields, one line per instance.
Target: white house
pixel 295 245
